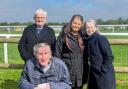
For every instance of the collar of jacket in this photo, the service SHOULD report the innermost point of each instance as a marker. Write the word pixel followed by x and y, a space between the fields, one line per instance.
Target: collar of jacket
pixel 44 26
pixel 51 70
pixel 92 36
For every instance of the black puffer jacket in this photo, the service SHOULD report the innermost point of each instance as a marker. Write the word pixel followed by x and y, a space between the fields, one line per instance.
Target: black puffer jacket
pixel 69 50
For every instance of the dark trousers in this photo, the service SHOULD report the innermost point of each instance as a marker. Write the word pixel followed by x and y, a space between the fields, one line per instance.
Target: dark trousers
pixel 92 82
pixel 77 87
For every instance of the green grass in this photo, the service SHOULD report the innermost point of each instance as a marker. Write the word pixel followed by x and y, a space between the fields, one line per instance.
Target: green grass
pixel 117 37
pixel 115 30
pixel 11 32
pixel 14 56
pixel 121 80
pixel 9 79
pixel 120 53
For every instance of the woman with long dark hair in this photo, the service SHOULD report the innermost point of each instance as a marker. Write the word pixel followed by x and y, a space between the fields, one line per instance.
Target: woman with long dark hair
pixel 69 48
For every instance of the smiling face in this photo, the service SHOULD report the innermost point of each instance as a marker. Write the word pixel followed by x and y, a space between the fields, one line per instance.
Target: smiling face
pixel 76 24
pixel 40 19
pixel 90 27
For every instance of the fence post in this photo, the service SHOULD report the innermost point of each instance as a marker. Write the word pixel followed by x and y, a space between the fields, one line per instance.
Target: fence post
pixel 9 29
pixel 6 51
pixel 113 29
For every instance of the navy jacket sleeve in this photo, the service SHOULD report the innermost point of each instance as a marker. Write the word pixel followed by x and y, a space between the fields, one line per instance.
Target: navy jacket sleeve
pixel 22 46
pixel 106 54
pixel 53 41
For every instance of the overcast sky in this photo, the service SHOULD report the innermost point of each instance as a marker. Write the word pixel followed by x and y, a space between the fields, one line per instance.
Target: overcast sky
pixel 62 10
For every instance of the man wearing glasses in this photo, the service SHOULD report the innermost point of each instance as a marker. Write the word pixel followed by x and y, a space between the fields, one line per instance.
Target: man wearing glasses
pixel 37 33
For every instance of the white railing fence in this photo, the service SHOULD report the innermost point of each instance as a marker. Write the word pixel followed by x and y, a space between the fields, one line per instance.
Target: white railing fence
pixel 21 28
pixel 7 36
pixel 58 27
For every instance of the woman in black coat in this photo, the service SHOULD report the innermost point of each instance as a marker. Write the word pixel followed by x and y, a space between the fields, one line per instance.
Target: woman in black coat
pixel 101 74
pixel 69 48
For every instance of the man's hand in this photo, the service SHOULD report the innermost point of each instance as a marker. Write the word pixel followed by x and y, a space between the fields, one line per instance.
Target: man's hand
pixel 43 86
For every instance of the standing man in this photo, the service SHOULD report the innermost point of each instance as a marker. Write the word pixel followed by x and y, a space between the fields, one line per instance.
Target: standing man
pixel 101 74
pixel 44 71
pixel 36 33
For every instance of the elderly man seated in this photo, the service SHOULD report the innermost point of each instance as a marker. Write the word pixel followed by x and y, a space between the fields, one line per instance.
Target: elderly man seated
pixel 44 71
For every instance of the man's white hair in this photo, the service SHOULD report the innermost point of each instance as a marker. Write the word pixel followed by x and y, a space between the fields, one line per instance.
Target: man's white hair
pixel 35 48
pixel 40 11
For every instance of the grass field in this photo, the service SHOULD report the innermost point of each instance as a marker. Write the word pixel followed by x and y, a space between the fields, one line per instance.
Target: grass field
pixel 9 77
pixel 120 53
pixel 14 56
pixel 114 30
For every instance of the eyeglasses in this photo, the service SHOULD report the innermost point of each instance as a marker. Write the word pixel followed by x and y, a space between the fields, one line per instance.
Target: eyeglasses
pixel 40 17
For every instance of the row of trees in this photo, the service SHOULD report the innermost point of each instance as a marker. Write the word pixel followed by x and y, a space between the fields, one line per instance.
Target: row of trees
pixel 113 21
pixel 99 21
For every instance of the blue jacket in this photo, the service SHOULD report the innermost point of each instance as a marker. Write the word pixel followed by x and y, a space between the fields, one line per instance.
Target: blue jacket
pixel 57 75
